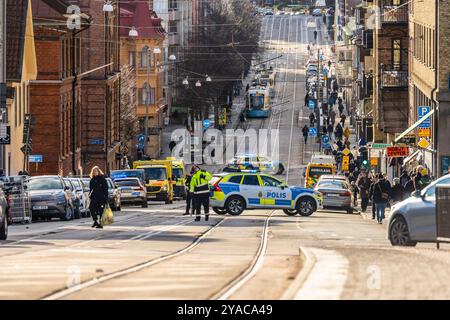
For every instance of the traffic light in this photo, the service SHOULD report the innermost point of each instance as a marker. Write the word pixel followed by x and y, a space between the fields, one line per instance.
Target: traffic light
pixel 365 164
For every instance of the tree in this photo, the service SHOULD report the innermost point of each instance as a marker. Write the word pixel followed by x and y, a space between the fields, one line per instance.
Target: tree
pixel 129 123
pixel 224 51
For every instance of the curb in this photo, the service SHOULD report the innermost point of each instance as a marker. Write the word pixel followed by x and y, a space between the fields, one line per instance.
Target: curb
pixel 308 261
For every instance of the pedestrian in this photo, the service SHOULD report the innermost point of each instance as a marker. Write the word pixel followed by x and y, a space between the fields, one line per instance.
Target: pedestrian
pixel 341 109
pixel 200 187
pixel 309 47
pixel 330 130
pixel 363 184
pixel 333 116
pixel 306 99
pixel 426 179
pixel 312 119
pixel 315 35
pixel 98 194
pixel 372 185
pixel 355 190
pixel 305 132
pixel 398 191
pixel 247 87
pixel 409 187
pixel 381 195
pixel 404 178
pixel 346 133
pixel 338 132
pixel 190 205
pixel 339 100
pixel 343 118
pixel 418 179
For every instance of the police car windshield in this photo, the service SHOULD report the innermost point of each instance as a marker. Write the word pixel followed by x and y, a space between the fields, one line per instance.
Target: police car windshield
pixel 155 174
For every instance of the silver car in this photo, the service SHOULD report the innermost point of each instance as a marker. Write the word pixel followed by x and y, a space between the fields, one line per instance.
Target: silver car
pixel 414 219
pixel 132 191
pixel 79 191
pixel 336 194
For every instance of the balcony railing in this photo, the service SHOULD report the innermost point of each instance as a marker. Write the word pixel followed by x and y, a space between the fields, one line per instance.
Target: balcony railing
pixel 394 14
pixel 394 79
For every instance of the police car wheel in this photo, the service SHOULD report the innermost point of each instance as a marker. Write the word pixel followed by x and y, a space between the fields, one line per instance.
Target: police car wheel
pixel 290 212
pixel 220 211
pixel 305 207
pixel 235 206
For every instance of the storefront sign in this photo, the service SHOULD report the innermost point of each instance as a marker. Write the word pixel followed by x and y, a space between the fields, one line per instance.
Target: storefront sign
pixel 424 132
pixel 408 140
pixel 396 152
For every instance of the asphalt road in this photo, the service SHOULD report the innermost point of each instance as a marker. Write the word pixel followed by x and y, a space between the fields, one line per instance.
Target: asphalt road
pixel 156 253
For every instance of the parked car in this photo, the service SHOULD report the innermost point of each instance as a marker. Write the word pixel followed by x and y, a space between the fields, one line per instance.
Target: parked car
pixel 86 190
pixel 414 219
pixel 333 177
pixel 3 216
pixel 79 190
pixel 50 198
pixel 133 191
pixel 336 194
pixel 114 200
pixel 76 200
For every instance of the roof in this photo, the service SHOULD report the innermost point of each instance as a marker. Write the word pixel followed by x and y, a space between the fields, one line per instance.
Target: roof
pixel 138 14
pixel 16 19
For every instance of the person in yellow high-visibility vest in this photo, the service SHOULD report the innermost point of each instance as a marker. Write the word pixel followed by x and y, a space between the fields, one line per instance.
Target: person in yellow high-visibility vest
pixel 200 188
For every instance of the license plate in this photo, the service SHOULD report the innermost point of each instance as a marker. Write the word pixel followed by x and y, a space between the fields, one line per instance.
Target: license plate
pixel 40 207
pixel 151 196
pixel 333 195
pixel 135 193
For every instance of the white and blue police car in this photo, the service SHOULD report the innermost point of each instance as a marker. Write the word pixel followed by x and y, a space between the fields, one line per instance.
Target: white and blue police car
pixel 235 192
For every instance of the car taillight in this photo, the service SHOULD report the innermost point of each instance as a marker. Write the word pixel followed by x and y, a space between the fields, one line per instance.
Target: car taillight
pixel 346 193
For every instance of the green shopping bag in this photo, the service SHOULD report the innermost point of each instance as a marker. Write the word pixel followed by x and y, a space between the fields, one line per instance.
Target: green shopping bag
pixel 107 216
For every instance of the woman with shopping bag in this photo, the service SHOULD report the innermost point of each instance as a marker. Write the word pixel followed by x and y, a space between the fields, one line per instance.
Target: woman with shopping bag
pixel 98 195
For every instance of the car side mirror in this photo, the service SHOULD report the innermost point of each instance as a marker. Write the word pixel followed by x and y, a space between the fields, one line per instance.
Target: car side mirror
pixel 66 188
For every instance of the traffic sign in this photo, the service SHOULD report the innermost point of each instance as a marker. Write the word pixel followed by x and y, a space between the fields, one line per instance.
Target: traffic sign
pixel 408 140
pixel 35 158
pixel 422 111
pixel 345 163
pixel 313 132
pixel 424 132
pixel 397 152
pixel 346 152
pixel 206 123
pixel 325 139
pixel 373 161
pixel 379 145
pixel 312 104
pixel 423 143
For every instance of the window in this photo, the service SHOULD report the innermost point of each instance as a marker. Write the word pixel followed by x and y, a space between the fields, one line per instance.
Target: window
pixel 132 58
pixel 143 95
pixel 144 57
pixel 235 179
pixel 173 26
pixel 173 4
pixel 251 180
pixel 270 182
pixel 396 53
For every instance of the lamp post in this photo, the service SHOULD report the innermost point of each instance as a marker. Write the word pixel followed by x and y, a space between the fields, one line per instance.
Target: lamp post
pixel 147 90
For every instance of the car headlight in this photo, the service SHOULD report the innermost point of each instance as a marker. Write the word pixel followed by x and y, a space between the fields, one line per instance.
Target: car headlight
pixel 164 188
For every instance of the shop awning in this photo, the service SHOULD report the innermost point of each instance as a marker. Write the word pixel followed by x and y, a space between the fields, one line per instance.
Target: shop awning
pixel 415 125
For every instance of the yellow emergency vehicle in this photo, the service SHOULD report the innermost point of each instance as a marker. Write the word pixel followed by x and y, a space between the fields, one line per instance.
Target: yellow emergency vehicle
pixel 159 179
pixel 179 177
pixel 315 170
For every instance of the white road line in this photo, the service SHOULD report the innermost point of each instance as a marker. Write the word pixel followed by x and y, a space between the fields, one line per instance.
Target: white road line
pixel 327 278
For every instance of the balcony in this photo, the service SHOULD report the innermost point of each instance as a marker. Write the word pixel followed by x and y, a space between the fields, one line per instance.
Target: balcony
pixel 394 79
pixel 394 14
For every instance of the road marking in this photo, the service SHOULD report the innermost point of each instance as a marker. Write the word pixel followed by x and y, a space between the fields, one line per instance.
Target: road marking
pixel 327 278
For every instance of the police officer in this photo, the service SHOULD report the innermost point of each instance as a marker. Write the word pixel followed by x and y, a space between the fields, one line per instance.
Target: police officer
pixel 190 205
pixel 200 188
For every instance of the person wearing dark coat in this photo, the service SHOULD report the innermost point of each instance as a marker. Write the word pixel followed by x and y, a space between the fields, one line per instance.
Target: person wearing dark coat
pixel 372 185
pixel 338 132
pixel 190 205
pixel 312 119
pixel 306 99
pixel 341 109
pixel 398 191
pixel 404 178
pixel 98 194
pixel 305 131
pixel 330 130
pixel 363 184
pixel 418 181
pixel 382 191
pixel 409 188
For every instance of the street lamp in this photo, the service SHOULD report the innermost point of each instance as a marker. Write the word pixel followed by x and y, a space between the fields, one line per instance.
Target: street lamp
pixel 198 84
pixel 108 7
pixel 156 50
pixel 208 78
pixel 172 57
pixel 186 81
pixel 133 32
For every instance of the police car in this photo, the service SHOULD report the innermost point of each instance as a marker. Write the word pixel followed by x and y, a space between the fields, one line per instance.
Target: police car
pixel 254 162
pixel 235 192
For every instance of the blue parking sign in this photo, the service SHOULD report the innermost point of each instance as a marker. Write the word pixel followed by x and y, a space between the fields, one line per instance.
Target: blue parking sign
pixel 422 111
pixel 206 123
pixel 312 132
pixel 312 104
